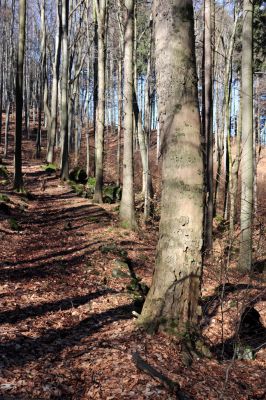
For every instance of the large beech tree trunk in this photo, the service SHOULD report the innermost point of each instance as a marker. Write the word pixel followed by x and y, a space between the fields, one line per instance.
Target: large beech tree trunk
pixel 247 164
pixel 172 302
pixel 18 180
pixel 127 207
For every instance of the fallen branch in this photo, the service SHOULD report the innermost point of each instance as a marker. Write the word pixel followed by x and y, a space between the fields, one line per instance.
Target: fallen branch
pixel 168 383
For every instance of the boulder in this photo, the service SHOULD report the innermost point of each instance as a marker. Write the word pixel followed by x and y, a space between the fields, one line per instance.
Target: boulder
pixel 78 175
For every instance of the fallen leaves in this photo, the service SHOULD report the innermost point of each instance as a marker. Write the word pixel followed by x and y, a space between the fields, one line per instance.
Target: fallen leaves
pixel 66 324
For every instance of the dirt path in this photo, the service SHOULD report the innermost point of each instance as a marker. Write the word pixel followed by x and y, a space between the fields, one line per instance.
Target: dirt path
pixel 58 300
pixel 66 324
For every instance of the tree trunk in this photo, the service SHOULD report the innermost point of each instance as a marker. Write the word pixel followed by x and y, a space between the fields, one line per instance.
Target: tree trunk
pixel 120 118
pixel 227 142
pixel 39 130
pixel 234 174
pixel 99 142
pixel 1 94
pixel 7 128
pixel 18 180
pixel 222 141
pixel 26 111
pixel 172 302
pixel 64 91
pixel 95 79
pixel 227 122
pixel 54 100
pixel 247 166
pixel 208 116
pixel 127 206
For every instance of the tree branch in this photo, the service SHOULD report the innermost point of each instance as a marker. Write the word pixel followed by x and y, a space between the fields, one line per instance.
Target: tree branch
pixel 168 383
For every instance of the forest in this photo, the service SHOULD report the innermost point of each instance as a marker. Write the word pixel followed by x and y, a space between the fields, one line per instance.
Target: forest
pixel 132 199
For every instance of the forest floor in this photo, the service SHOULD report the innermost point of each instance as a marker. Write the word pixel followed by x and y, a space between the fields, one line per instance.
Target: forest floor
pixel 66 323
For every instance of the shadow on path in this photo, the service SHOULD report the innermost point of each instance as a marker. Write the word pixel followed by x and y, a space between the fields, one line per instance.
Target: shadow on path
pixel 24 349
pixel 19 314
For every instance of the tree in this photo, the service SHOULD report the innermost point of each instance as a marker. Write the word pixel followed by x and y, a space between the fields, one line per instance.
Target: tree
pixel 208 67
pixel 54 99
pixel 43 85
pixel 172 302
pixel 100 114
pixel 144 133
pixel 247 163
pixel 18 180
pixel 64 90
pixel 127 207
pixel 1 73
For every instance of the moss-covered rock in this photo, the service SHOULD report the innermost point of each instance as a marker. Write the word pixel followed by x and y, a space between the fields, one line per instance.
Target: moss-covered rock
pixel 4 198
pixel 118 273
pixel 108 248
pixel 88 194
pixel 121 264
pixel 91 181
pixel 3 172
pixel 49 168
pixel 81 189
pixel 77 187
pixel 111 194
pixel 78 175
pixel 244 352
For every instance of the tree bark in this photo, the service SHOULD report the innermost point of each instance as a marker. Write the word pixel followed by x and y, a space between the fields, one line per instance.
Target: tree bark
pixel 247 165
pixel 18 180
pixel 100 117
pixel 64 90
pixel 234 174
pixel 127 206
pixel 222 138
pixel 172 302
pixel 1 94
pixel 208 125
pixel 54 99
pixel 120 118
pixel 7 128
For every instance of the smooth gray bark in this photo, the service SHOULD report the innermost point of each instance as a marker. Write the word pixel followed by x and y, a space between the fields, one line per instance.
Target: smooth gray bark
pixel 18 180
pixel 64 90
pixel 54 97
pixel 208 125
pixel 100 117
pixel 172 302
pixel 127 206
pixel 247 164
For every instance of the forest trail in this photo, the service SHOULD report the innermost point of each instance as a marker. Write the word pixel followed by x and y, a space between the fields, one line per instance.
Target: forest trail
pixel 62 313
pixel 66 324
pixel 54 225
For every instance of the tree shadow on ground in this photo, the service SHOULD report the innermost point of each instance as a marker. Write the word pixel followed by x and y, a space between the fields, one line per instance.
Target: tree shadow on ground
pixel 20 314
pixel 25 349
pixel 96 217
pixel 247 341
pixel 50 257
pixel 210 304
pixel 47 268
pixel 259 266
